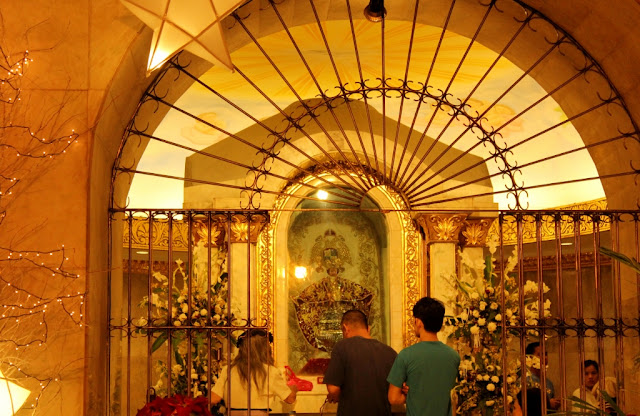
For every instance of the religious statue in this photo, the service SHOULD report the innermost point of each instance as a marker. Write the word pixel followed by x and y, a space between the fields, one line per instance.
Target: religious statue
pixel 320 306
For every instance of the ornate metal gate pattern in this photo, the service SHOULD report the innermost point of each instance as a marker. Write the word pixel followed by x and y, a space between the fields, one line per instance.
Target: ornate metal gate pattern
pixel 429 173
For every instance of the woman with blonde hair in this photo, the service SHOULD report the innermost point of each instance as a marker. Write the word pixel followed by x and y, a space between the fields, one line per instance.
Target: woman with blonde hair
pixel 252 366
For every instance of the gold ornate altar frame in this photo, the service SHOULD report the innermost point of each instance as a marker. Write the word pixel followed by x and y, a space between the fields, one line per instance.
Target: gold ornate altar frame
pixel 403 234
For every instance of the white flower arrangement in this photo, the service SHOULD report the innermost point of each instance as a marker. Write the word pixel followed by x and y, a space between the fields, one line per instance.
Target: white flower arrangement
pixel 488 307
pixel 204 306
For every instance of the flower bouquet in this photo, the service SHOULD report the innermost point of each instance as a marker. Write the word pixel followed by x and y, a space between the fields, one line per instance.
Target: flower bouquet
pixel 176 405
pixel 202 304
pixel 478 330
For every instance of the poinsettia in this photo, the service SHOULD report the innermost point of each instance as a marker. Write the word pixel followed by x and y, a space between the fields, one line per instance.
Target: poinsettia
pixel 176 405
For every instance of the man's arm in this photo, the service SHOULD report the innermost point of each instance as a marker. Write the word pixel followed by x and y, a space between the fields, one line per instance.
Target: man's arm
pixel 395 395
pixel 334 393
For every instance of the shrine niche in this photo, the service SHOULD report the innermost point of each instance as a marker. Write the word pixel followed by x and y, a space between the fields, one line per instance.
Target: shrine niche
pixel 344 255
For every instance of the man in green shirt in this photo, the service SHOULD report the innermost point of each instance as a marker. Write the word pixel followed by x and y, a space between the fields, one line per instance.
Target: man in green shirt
pixel 424 373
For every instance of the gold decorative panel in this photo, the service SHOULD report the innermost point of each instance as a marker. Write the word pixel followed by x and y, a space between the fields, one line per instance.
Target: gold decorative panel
pixel 442 227
pixel 475 232
pixel 239 228
pixel 139 236
pixel 548 225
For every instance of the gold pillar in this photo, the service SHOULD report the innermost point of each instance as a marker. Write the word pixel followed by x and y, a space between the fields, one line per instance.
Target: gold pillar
pixel 442 235
pixel 242 250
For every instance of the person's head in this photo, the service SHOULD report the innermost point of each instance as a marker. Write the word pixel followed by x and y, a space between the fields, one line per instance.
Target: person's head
pixel 591 373
pixel 429 314
pixel 354 322
pixel 534 401
pixel 254 352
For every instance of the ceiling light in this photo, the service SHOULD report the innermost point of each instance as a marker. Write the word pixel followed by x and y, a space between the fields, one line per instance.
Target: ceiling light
pixel 142 252
pixel 375 11
pixel 566 244
pixel 323 194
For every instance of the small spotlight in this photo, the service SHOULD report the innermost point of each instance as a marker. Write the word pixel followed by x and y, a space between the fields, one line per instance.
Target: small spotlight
pixel 323 194
pixel 142 252
pixel 301 272
pixel 566 244
pixel 375 11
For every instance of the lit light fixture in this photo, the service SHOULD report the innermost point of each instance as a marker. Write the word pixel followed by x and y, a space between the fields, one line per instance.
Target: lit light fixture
pixel 323 194
pixel 12 396
pixel 566 244
pixel 375 11
pixel 192 25
pixel 301 272
pixel 142 252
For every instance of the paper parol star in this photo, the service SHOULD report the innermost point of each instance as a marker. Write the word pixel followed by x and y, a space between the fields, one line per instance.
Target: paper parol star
pixel 193 25
pixel 12 396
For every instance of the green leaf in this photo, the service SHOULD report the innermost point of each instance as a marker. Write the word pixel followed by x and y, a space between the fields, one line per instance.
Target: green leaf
pixel 488 270
pixel 631 262
pixel 159 341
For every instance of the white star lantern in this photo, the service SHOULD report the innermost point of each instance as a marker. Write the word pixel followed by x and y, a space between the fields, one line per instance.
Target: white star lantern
pixel 193 25
pixel 12 396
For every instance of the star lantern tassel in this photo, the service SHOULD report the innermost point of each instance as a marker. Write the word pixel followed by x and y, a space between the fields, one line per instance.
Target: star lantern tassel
pixel 193 25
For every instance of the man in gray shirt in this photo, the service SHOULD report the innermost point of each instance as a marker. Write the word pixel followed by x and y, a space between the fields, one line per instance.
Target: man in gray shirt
pixel 357 373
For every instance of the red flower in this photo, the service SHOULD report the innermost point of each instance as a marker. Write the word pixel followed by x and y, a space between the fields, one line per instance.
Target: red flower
pixel 176 405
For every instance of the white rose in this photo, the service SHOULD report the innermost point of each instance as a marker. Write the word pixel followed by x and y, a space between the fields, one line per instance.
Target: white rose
pixel 490 368
pixel 185 308
pixel 482 321
pixel 491 387
pixel 464 316
pixel 509 380
pixel 483 305
pixel 479 377
pixel 492 326
pixel 494 306
pixel 509 399
pixel 495 379
pixel 217 309
pixel 474 330
pixel 498 317
pixel 180 299
pixel 474 295
pixel 194 375
pixel 177 323
pixel 489 402
pixel 476 313
pixel 182 317
pixel 486 377
pixel 490 290
pixel 509 313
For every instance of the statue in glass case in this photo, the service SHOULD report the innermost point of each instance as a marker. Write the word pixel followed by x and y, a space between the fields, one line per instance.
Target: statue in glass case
pixel 320 306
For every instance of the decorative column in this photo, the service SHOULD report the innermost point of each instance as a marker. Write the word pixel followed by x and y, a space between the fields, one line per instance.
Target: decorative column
pixel 242 252
pixel 442 236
